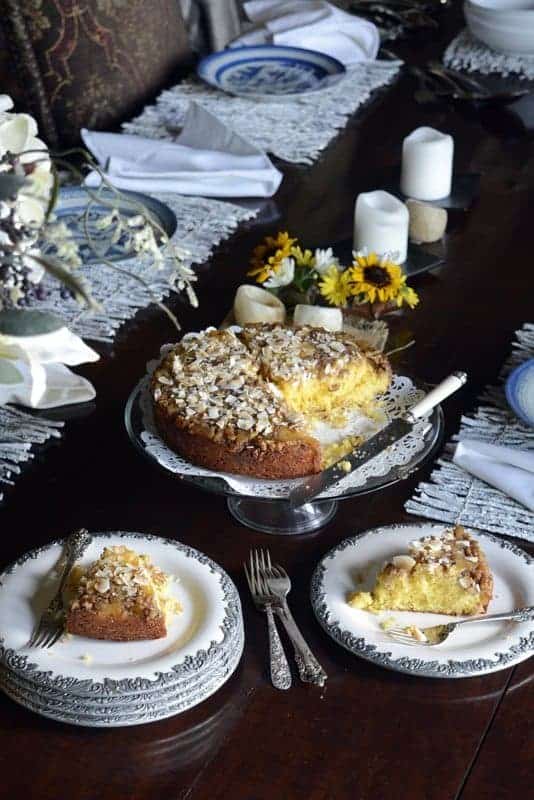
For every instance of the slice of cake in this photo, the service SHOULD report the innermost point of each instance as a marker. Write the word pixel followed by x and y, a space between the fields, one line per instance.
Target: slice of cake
pixel 445 574
pixel 122 597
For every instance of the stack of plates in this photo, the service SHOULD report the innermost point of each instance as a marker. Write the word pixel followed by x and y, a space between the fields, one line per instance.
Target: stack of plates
pixel 504 25
pixel 110 684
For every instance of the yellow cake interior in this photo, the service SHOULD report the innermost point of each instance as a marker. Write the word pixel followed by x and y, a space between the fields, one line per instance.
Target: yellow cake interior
pixel 443 575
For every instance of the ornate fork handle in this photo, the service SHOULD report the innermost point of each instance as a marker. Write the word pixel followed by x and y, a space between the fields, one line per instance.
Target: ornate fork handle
pixel 518 615
pixel 75 546
pixel 280 672
pixel 310 670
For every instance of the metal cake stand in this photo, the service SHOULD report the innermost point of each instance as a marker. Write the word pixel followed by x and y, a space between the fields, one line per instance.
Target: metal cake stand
pixel 275 516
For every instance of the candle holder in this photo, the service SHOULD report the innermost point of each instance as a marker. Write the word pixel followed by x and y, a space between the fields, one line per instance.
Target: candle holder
pixel 464 190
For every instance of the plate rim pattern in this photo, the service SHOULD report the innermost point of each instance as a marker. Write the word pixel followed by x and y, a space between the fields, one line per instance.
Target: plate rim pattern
pixel 20 663
pixel 412 666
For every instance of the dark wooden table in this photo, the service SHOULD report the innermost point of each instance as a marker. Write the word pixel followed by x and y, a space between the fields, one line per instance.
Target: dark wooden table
pixel 370 734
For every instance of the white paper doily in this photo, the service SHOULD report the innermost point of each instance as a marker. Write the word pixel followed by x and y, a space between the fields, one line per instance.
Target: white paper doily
pixel 401 395
pixel 466 52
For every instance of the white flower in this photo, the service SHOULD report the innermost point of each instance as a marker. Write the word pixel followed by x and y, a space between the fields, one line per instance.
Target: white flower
pixel 5 102
pixel 284 275
pixel 324 259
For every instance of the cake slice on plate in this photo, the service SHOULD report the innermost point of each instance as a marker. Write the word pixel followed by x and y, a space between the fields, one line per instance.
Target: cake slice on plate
pixel 445 574
pixel 122 597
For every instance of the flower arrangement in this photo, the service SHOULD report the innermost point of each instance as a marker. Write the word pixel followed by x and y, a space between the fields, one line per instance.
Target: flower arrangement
pixel 35 346
pixel 33 242
pixel 371 285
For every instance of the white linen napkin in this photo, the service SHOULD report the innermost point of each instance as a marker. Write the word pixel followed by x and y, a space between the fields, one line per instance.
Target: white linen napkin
pixel 208 159
pixel 506 468
pixel 312 24
pixel 33 371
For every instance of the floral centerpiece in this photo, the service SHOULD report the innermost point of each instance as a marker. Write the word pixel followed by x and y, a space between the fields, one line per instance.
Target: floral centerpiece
pixel 370 286
pixel 35 346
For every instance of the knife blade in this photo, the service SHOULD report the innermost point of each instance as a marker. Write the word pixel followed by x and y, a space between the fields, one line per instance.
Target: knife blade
pixel 395 430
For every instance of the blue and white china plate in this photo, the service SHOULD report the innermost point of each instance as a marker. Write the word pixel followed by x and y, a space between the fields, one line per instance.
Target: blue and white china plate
pixel 471 650
pixel 270 71
pixel 71 209
pixel 520 391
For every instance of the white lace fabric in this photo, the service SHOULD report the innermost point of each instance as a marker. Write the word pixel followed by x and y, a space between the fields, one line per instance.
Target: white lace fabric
pixel 453 495
pixel 467 53
pixel 401 395
pixel 295 131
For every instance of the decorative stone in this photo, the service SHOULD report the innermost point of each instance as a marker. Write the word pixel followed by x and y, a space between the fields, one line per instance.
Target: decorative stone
pixel 427 222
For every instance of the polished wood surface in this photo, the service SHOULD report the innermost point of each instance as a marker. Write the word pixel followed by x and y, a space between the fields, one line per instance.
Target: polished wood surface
pixel 369 734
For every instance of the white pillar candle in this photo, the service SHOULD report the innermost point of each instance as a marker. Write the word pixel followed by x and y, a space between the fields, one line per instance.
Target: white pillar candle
pixel 381 224
pixel 427 156
pixel 253 304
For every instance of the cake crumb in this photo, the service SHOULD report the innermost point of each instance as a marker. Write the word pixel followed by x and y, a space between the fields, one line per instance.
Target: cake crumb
pixel 345 466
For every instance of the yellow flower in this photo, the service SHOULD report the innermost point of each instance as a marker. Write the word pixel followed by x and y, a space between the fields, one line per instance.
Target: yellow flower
pixel 303 258
pixel 376 279
pixel 335 286
pixel 408 296
pixel 268 256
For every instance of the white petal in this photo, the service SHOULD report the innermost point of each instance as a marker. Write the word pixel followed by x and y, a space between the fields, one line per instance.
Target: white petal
pixel 5 102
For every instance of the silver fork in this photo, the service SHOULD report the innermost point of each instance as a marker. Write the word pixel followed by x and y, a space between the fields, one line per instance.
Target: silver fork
pixel 51 624
pixel 437 634
pixel 280 672
pixel 278 585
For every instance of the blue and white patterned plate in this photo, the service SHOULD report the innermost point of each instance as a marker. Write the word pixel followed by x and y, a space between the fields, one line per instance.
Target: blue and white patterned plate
pixel 270 71
pixel 520 391
pixel 71 209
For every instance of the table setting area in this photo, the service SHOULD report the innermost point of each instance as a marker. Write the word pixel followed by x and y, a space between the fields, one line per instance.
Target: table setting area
pixel 267 401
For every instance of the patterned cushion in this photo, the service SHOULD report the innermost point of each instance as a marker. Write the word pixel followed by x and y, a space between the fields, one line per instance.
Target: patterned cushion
pixel 92 63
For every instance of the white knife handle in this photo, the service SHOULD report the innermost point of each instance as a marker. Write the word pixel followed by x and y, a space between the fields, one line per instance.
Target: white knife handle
pixel 439 393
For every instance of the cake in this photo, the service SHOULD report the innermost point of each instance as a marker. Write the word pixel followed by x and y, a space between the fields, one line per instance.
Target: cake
pixel 445 574
pixel 122 597
pixel 245 401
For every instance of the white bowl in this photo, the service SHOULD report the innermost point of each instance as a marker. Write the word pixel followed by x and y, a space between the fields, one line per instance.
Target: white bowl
pixel 504 30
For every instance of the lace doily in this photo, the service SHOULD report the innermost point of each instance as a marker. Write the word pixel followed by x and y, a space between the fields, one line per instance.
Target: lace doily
pixel 401 395
pixel 466 52
pixel 296 130
pixel 453 495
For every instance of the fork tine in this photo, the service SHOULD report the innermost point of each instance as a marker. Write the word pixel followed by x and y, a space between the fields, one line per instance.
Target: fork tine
pixel 54 637
pixel 248 577
pixel 269 565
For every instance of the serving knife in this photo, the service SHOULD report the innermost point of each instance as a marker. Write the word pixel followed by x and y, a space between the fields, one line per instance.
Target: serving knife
pixel 395 430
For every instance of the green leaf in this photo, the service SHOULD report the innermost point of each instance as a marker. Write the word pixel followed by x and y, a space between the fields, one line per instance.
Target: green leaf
pixel 22 322
pixel 9 373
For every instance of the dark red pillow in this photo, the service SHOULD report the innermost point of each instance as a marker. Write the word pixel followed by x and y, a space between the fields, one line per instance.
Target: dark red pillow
pixel 92 63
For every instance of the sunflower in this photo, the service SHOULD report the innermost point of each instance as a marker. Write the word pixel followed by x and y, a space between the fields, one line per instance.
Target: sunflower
pixel 376 279
pixel 335 286
pixel 303 258
pixel 268 256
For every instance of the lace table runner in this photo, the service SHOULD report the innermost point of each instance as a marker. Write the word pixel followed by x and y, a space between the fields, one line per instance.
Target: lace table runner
pixel 18 432
pixel 466 52
pixel 453 495
pixel 201 225
pixel 293 130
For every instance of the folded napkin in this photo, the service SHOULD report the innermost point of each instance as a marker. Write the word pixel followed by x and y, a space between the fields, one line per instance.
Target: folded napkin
pixel 505 468
pixel 33 371
pixel 314 25
pixel 207 159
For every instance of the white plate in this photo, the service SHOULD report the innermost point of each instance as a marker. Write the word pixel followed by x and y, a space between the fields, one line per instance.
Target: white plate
pixel 212 612
pixel 472 650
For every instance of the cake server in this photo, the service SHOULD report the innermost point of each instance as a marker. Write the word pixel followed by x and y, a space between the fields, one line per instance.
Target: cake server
pixel 395 430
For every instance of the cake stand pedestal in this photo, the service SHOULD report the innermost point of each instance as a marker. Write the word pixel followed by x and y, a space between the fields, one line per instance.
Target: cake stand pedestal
pixel 277 517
